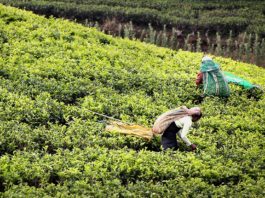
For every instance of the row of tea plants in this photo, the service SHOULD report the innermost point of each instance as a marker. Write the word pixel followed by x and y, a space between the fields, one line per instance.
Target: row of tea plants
pixel 245 47
pixel 192 15
pixel 230 29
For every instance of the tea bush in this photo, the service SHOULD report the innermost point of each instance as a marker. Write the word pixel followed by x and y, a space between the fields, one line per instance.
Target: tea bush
pixel 187 15
pixel 55 72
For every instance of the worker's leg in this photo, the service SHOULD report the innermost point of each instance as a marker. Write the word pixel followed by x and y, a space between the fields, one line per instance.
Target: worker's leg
pixel 169 137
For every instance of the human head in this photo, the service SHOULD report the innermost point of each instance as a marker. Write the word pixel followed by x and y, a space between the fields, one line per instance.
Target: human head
pixel 196 117
pixel 195 113
pixel 208 64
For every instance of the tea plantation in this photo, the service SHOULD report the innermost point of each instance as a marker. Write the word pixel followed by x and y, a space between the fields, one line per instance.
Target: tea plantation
pixel 54 72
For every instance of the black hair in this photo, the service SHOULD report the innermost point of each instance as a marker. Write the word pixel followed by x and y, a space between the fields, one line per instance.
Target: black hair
pixel 196 117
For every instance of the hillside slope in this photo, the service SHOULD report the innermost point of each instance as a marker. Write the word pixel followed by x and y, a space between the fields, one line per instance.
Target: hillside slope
pixel 53 71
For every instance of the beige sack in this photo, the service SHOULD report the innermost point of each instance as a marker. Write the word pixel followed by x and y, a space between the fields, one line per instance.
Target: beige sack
pixel 135 130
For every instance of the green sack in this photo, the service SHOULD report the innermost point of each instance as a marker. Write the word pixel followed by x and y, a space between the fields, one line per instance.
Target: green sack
pixel 231 78
pixel 214 82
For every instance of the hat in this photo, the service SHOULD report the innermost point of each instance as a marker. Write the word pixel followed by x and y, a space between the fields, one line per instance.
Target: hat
pixel 205 58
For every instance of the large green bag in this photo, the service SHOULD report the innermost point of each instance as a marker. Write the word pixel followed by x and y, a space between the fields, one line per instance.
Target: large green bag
pixel 255 91
pixel 214 82
pixel 231 78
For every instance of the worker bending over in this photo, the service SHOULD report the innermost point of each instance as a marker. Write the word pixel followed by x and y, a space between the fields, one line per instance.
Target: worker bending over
pixel 212 78
pixel 177 121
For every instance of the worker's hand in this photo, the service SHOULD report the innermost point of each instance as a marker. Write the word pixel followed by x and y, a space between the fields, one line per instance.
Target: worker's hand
pixel 193 147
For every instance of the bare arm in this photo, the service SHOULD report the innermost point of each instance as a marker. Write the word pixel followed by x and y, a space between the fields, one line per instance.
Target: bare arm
pixel 199 79
pixel 185 130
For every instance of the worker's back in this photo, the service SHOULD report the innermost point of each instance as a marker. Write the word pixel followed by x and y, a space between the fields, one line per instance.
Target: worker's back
pixel 214 82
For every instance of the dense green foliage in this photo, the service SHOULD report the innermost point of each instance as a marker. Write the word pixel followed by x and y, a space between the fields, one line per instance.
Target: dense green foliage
pixel 232 29
pixel 192 15
pixel 53 71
